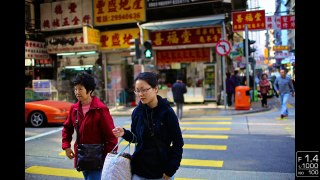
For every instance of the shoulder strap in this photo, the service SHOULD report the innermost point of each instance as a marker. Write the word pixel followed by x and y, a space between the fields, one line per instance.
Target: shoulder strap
pixel 77 127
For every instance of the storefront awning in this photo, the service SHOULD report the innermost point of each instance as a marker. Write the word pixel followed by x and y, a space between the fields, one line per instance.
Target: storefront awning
pixel 185 23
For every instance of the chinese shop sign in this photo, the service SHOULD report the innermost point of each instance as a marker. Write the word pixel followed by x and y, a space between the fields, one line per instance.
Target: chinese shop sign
pixel 280 48
pixel 280 55
pixel 203 35
pixel 183 55
pixel 35 50
pixel 91 35
pixel 280 22
pixel 254 19
pixel 78 45
pixel 43 63
pixel 167 3
pixel 65 14
pixel 107 12
pixel 288 22
pixel 118 39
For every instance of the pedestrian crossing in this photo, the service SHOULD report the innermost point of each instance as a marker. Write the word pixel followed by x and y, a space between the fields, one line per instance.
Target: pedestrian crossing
pixel 69 173
pixel 212 140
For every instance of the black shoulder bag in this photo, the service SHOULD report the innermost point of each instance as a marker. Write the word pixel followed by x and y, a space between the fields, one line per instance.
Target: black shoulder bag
pixel 89 156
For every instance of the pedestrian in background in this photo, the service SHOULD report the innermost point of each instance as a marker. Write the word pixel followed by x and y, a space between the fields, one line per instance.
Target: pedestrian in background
pixel 155 129
pixel 95 123
pixel 230 88
pixel 264 85
pixel 236 78
pixel 178 90
pixel 283 85
pixel 237 82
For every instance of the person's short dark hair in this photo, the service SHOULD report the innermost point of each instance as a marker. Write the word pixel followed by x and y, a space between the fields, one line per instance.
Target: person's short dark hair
pixel 228 74
pixel 235 72
pixel 179 77
pixel 150 77
pixel 264 74
pixel 85 79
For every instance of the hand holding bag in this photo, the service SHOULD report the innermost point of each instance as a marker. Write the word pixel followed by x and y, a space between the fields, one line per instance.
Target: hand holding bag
pixel 117 165
pixel 89 156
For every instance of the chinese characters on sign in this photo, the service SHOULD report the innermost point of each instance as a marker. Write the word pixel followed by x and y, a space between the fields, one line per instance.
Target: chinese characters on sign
pixel 288 22
pixel 183 55
pixel 166 3
pixel 107 12
pixel 65 14
pixel 118 39
pixel 186 36
pixel 279 55
pixel 280 22
pixel 36 50
pixel 280 48
pixel 43 63
pixel 91 35
pixel 78 45
pixel 254 19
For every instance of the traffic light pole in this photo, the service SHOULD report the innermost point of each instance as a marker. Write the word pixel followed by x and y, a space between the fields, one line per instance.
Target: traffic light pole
pixel 142 48
pixel 247 54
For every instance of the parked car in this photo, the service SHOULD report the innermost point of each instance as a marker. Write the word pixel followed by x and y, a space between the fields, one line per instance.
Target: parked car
pixel 40 111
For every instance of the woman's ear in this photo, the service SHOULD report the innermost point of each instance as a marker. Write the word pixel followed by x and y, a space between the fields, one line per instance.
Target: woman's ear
pixel 157 89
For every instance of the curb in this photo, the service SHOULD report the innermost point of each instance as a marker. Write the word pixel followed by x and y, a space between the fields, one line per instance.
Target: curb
pixel 222 112
pixel 246 112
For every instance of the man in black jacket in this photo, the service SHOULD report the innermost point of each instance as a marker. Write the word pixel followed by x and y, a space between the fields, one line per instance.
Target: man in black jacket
pixel 178 89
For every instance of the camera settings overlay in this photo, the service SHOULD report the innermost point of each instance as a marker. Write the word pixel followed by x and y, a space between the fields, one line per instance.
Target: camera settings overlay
pixel 307 163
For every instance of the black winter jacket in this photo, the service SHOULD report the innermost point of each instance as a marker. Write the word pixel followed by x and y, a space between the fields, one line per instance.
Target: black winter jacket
pixel 163 123
pixel 178 89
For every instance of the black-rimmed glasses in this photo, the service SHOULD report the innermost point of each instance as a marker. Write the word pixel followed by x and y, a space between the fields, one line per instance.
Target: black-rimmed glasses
pixel 143 91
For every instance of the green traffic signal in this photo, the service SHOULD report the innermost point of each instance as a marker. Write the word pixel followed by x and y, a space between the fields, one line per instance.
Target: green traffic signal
pixel 148 49
pixel 148 53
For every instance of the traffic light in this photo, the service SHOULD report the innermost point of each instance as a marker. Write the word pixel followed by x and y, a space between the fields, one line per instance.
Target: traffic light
pixel 250 49
pixel 135 48
pixel 147 49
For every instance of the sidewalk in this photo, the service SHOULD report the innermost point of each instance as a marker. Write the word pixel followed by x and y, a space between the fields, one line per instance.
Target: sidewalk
pixel 210 108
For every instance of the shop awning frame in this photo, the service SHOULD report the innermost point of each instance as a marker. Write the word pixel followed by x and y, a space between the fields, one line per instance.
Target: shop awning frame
pixel 184 23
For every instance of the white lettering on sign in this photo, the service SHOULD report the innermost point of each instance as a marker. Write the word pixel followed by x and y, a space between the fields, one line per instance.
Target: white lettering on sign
pixel 35 50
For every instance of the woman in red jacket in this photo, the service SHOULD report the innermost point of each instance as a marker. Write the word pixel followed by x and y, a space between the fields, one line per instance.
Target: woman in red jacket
pixel 95 123
pixel 264 85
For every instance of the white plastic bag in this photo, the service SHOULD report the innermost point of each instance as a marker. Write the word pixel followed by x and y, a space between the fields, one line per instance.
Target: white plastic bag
pixel 117 165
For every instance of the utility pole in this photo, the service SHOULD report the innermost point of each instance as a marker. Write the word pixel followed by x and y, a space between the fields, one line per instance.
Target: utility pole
pixel 223 59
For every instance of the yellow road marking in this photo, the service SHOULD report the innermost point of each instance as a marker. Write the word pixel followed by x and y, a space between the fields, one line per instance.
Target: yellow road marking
pixel 205 147
pixel 188 179
pixel 195 146
pixel 185 123
pixel 127 126
pixel 62 153
pixel 185 146
pixel 285 118
pixel 50 171
pixel 54 171
pixel 204 129
pixel 196 136
pixel 208 118
pixel 289 106
pixel 202 163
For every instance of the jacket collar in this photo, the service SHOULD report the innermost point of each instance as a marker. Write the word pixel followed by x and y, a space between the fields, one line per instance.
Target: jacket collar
pixel 95 104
